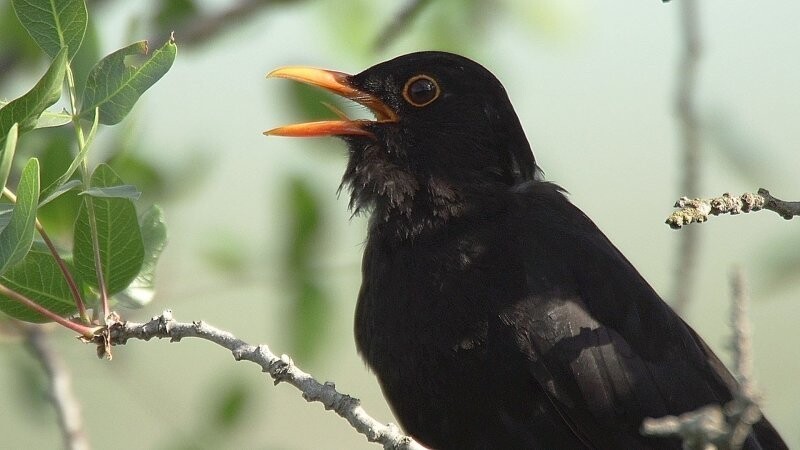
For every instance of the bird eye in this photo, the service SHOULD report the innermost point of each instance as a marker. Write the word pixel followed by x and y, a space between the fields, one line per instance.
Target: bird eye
pixel 421 90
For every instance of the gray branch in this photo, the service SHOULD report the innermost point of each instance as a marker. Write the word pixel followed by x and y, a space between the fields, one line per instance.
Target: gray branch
pixel 698 210
pixel 689 128
pixel 201 29
pixel 60 391
pixel 281 369
pixel 401 22
pixel 744 408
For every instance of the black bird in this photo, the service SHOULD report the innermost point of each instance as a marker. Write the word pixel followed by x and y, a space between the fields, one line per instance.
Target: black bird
pixel 495 314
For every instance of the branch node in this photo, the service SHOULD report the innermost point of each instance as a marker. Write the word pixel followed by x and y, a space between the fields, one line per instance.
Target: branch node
pixel 262 353
pixel 166 315
pixel 238 353
pixel 279 369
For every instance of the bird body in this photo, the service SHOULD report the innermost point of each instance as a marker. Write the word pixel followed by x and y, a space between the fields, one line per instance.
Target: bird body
pixel 494 313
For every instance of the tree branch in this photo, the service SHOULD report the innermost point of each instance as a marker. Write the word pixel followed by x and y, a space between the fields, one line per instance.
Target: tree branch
pixel 696 428
pixel 281 369
pixel 201 29
pixel 60 392
pixel 698 210
pixel 400 22
pixel 689 127
pixel 744 408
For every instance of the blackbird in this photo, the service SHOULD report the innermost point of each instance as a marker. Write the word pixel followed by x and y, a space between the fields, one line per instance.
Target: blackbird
pixel 495 314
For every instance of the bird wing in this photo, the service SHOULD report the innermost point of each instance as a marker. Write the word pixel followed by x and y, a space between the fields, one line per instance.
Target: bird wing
pixel 600 342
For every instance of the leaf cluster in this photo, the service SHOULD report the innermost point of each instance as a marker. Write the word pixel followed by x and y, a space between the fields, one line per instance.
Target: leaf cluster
pixel 113 249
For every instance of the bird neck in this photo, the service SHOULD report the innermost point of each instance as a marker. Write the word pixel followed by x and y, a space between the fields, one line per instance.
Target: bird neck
pixel 405 207
pixel 406 200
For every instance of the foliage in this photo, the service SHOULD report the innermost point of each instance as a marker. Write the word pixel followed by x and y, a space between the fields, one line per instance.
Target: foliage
pixel 114 250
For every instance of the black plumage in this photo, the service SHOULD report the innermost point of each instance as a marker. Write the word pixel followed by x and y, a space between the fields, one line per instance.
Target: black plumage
pixel 494 313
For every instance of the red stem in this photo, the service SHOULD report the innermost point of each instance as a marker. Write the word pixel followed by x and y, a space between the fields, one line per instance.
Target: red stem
pixel 76 327
pixel 73 287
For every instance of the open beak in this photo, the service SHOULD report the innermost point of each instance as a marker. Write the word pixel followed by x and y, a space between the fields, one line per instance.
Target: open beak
pixel 337 83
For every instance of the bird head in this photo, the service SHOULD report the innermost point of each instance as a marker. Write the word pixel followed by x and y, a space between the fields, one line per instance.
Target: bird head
pixel 443 124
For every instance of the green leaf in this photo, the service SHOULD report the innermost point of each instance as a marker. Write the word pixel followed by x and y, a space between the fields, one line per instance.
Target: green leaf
pixel 154 236
pixel 17 237
pixel 115 83
pixel 121 191
pixel 5 214
pixel 63 189
pixel 58 182
pixel 54 24
pixel 119 238
pixel 7 158
pixel 39 278
pixel 50 119
pixel 27 109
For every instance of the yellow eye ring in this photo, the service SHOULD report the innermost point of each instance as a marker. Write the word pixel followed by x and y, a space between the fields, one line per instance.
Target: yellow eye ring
pixel 421 90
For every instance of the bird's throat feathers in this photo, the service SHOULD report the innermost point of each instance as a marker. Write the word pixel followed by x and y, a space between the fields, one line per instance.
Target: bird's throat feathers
pixel 382 184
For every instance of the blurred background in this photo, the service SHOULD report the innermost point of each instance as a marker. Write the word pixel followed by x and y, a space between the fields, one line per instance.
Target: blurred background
pixel 261 245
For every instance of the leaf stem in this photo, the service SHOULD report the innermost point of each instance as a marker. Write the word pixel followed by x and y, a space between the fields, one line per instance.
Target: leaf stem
pixel 98 265
pixel 83 330
pixel 73 286
pixel 84 168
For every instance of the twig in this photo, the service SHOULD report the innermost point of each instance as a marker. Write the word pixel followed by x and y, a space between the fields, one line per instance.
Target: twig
pixel 744 408
pixel 742 347
pixel 698 429
pixel 698 210
pixel 400 22
pixel 281 369
pixel 60 392
pixel 690 133
pixel 713 426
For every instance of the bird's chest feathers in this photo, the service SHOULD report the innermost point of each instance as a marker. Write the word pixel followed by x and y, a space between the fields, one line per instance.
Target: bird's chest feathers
pixel 431 294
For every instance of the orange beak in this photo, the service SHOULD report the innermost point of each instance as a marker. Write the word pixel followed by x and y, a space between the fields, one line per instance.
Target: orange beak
pixel 337 83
